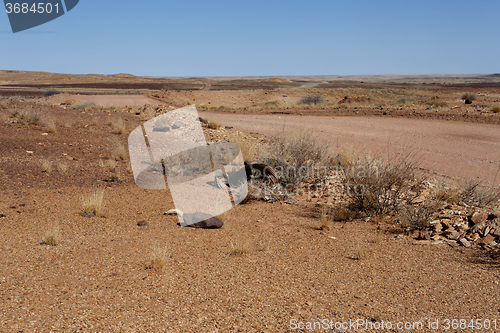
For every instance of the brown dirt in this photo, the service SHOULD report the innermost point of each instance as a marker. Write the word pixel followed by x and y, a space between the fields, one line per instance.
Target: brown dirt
pixel 96 279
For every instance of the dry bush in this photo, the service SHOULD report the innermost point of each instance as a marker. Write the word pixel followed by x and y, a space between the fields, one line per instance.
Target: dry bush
pixel 25 117
pixel 240 247
pixel 129 168
pixel 62 167
pixel 446 193
pixel 51 92
pixel 312 99
pixel 474 194
pixel 92 203
pixel 418 217
pixel 149 112
pixel 439 104
pixel 3 106
pixel 404 101
pixel 247 147
pixel 376 185
pixel 294 157
pixel 495 108
pixel 52 235
pixel 158 259
pixel 84 105
pixel 46 166
pixel 95 121
pixel 118 126
pixel 214 124
pixel 50 125
pixel 469 97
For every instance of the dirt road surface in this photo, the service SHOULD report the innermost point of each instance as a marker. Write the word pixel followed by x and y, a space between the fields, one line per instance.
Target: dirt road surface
pixel 454 149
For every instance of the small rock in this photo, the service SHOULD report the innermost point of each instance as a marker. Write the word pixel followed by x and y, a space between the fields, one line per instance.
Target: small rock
pixel 450 231
pixel 465 242
pixel 478 227
pixel 228 127
pixel 488 239
pixel 455 236
pixel 206 221
pixel 495 232
pixel 437 242
pixel 479 217
pixel 3 215
pixel 142 223
pixel 161 129
pixel 203 120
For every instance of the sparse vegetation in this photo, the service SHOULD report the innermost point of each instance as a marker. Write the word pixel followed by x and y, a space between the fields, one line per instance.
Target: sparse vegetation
pixel 417 217
pixel 118 151
pixel 46 166
pixel 158 259
pixel 446 193
pixel 247 147
pixel 50 125
pixel 468 98
pixel 214 124
pixel 92 203
pixel 118 126
pixel 52 235
pixel 84 105
pixel 377 185
pixel 294 157
pixel 342 214
pixel 62 167
pixel 51 92
pixel 360 252
pixel 312 99
pixel 495 108
pixel 25 117
pixel 113 177
pixel 95 121
pixel 474 194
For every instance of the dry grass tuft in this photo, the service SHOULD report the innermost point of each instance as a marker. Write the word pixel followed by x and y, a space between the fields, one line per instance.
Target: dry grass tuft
pixel 360 252
pixel 52 235
pixel 247 147
pixel 92 203
pixel 46 166
pixel 84 105
pixel 325 217
pixel 495 108
pixel 343 214
pixel 62 167
pixel 50 125
pixel 214 124
pixel 158 259
pixel 118 126
pixel 118 151
pixel 474 194
pixel 446 193
pixel 418 217
pixel 113 177
pixel 95 121
pixel 25 117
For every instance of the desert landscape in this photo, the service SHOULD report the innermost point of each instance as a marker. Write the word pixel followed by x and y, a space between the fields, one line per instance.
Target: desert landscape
pixel 395 226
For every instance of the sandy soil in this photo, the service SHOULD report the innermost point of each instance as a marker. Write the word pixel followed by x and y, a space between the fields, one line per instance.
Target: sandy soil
pixel 96 279
pixel 108 100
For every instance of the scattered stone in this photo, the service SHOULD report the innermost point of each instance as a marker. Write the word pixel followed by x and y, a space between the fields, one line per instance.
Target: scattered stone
pixel 479 217
pixel 206 221
pixel 203 120
pixel 142 223
pixel 455 236
pixel 3 215
pixel 495 232
pixel 228 127
pixel 488 239
pixel 465 242
pixel 478 227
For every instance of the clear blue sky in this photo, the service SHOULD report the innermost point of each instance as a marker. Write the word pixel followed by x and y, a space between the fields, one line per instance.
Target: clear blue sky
pixel 273 37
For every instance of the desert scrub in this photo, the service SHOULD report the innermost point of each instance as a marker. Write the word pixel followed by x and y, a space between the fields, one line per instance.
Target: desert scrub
pixel 214 124
pixel 84 105
pixel 46 166
pixel 25 117
pixel 50 92
pixel 418 217
pixel 247 147
pixel 495 108
pixel 474 193
pixel 49 125
pixel 62 167
pixel 325 218
pixel 240 246
pixel 312 99
pixel 377 186
pixel 92 203
pixel 118 151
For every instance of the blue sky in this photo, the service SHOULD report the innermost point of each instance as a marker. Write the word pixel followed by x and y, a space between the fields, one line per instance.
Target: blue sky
pixel 234 38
